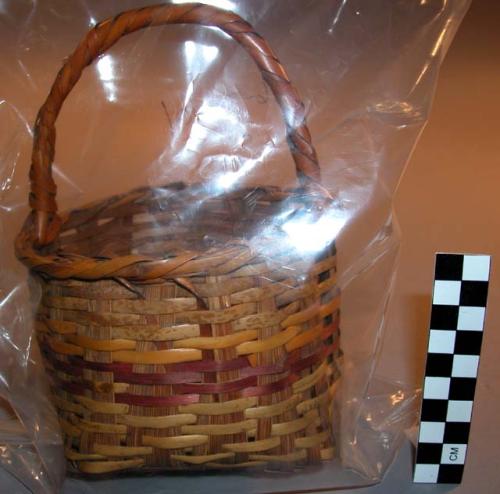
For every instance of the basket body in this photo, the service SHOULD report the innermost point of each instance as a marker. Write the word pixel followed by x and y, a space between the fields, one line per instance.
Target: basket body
pixel 180 326
pixel 228 362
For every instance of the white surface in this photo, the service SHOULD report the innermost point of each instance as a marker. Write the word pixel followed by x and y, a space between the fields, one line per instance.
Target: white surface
pixel 441 341
pixel 426 473
pixel 471 318
pixel 465 366
pixel 459 411
pixel 437 388
pixel 476 268
pixel 453 454
pixel 446 292
pixel 431 432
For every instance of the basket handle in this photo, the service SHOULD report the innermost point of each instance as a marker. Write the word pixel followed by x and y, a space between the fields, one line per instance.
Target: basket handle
pixel 42 198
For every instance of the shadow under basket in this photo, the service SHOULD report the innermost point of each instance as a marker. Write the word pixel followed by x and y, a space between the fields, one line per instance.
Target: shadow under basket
pixel 180 326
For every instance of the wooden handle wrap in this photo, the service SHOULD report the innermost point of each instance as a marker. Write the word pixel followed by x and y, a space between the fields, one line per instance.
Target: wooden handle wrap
pixel 106 34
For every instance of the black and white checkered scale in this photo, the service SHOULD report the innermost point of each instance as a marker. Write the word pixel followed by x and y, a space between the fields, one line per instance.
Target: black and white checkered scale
pixel 456 332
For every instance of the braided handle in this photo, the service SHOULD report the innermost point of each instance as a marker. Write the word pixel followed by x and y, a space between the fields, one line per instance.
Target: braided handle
pixel 101 38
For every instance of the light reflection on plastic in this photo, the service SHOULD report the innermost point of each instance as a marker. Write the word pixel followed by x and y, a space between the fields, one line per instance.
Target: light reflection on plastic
pixel 421 75
pixel 212 113
pixel 440 39
pixel 229 178
pixel 434 52
pixel 397 397
pixel 337 16
pixel 222 4
pixel 92 22
pixel 106 72
pixel 198 56
pixel 312 236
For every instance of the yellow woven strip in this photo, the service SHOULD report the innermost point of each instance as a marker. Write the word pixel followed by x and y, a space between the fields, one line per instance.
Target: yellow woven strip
pixel 329 308
pixel 175 442
pixel 257 294
pixel 217 342
pixel 157 357
pixel 154 307
pixel 69 429
pixel 104 387
pixel 219 429
pixel 327 453
pixel 284 428
pixel 73 455
pixel 294 294
pixel 68 406
pixel 258 321
pixel 199 460
pixel 304 338
pixel 295 456
pixel 231 406
pixel 108 466
pixel 311 379
pixel 101 345
pixel 88 426
pixel 254 446
pixel 322 266
pixel 311 441
pixel 316 402
pixel 62 327
pixel 328 284
pixel 306 290
pixel 268 411
pixel 41 327
pixel 154 333
pixel 302 316
pixel 231 466
pixel 102 406
pixel 292 308
pixel 274 341
pixel 125 451
pixel 64 348
pixel 161 422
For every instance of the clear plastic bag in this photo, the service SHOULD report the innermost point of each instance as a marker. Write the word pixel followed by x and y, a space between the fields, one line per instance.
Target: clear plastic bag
pixel 186 104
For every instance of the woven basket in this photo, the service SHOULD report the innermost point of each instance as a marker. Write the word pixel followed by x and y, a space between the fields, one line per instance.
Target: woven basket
pixel 216 352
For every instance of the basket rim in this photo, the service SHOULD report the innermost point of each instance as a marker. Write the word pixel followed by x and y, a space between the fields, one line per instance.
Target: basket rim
pixel 147 268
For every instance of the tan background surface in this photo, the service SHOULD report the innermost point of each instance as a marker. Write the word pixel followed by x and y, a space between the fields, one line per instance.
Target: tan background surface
pixel 449 200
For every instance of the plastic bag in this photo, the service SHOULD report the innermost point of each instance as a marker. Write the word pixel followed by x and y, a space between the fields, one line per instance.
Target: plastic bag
pixel 185 104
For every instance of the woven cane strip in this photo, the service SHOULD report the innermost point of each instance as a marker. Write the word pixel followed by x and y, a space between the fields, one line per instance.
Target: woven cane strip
pixel 229 466
pixel 199 460
pixel 98 467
